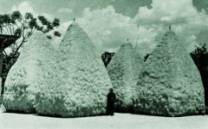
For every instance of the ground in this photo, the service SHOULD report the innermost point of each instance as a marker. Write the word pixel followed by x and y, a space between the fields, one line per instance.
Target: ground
pixel 119 121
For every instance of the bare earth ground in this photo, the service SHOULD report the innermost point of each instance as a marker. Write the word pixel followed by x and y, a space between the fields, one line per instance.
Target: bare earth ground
pixel 119 121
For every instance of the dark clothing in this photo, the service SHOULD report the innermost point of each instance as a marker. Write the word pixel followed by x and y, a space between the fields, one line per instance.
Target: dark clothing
pixel 111 97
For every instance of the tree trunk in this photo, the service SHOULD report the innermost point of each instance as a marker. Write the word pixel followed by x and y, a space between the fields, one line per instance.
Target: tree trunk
pixel 1 65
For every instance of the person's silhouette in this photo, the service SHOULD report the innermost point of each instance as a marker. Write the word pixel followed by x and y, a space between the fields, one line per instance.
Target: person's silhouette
pixel 111 97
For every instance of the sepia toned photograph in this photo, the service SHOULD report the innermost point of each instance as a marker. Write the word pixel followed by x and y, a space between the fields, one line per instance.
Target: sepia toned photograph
pixel 103 64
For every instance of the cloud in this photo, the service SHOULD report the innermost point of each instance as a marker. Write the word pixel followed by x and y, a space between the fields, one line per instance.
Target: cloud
pixel 24 7
pixel 170 11
pixel 187 22
pixel 107 28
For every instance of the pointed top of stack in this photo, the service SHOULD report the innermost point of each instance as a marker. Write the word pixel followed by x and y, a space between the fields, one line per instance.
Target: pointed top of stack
pixel 73 24
pixel 127 44
pixel 74 19
pixel 76 36
pixel 170 28
pixel 170 34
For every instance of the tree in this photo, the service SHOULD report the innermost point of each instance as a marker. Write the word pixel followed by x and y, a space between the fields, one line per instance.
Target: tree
pixel 56 33
pixel 23 27
pixel 106 57
pixel 200 57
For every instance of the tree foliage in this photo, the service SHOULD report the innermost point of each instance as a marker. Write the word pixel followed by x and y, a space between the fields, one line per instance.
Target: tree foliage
pixel 200 57
pixel 107 57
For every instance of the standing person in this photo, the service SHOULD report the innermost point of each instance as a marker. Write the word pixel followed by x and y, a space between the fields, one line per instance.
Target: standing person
pixel 2 108
pixel 111 97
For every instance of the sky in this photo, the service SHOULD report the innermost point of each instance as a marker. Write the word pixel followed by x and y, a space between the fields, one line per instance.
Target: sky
pixel 109 23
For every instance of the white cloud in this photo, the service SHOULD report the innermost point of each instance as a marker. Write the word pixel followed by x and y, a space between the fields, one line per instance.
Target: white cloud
pixel 24 7
pixel 181 14
pixel 107 28
pixel 167 11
